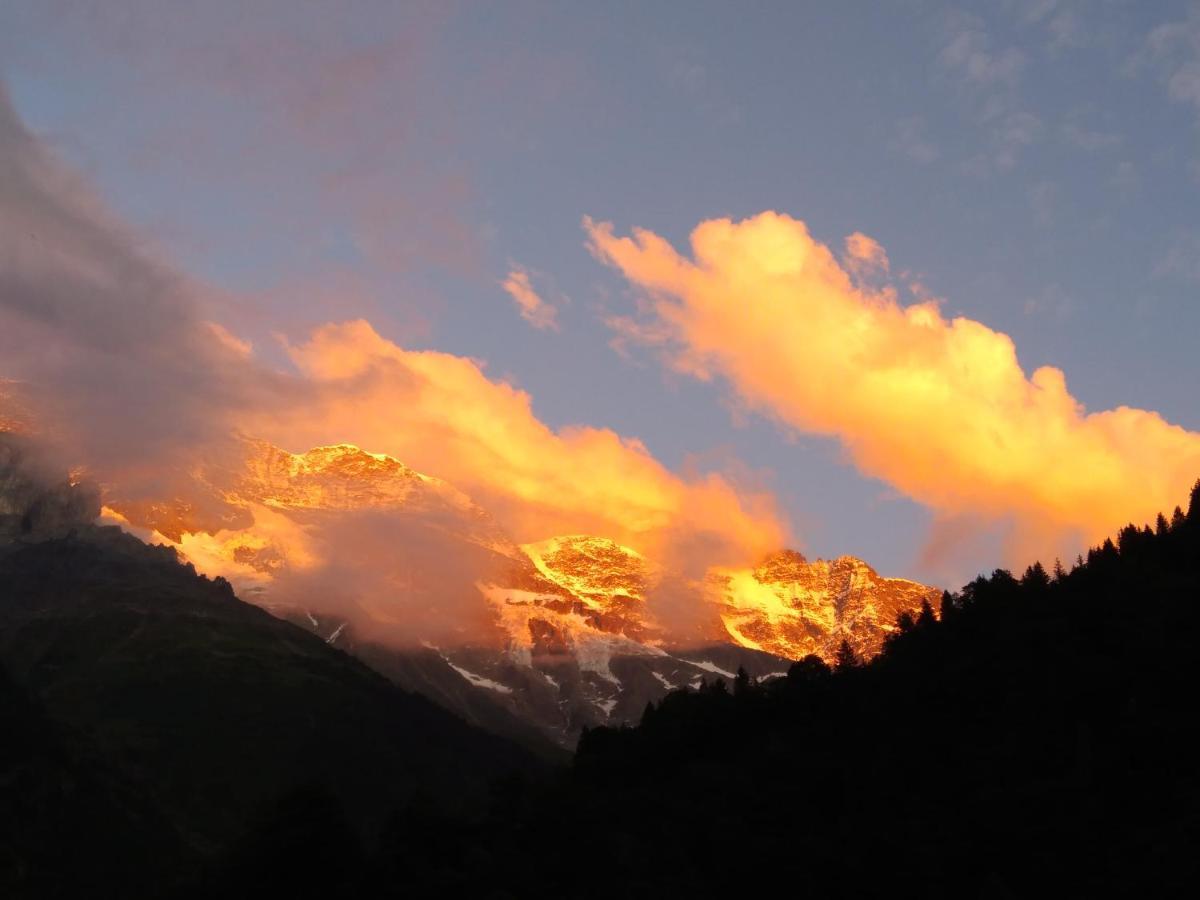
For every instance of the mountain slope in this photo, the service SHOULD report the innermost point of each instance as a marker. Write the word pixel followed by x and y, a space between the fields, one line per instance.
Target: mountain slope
pixel 213 707
pixel 1038 739
pixel 69 824
pixel 794 608
pixel 561 634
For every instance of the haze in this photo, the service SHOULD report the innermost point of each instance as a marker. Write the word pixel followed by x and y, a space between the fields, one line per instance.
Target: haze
pixel 626 275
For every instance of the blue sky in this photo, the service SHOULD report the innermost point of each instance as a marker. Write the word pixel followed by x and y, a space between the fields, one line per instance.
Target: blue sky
pixel 1035 165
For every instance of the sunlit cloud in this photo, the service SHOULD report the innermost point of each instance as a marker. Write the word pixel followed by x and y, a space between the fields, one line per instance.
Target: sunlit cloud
pixel 533 308
pixel 117 355
pixel 443 415
pixel 939 408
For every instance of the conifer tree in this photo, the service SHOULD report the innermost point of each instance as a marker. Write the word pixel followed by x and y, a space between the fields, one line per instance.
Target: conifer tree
pixel 1178 519
pixel 1035 577
pixel 845 658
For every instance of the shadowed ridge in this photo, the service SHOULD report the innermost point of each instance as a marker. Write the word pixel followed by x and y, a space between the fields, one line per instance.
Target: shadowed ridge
pixel 212 707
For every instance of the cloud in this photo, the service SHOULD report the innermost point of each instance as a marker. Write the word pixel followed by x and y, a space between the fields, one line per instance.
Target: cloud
pixel 911 141
pixel 442 415
pixel 968 52
pixel 1089 139
pixel 111 346
pixel 1173 48
pixel 990 78
pixel 865 257
pixel 1126 180
pixel 534 310
pixel 1062 22
pixel 1180 260
pixel 301 124
pixel 117 358
pixel 1043 201
pixel 939 408
pixel 1172 52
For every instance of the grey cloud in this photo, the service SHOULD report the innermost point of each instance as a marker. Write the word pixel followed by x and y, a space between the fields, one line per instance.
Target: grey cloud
pixel 108 343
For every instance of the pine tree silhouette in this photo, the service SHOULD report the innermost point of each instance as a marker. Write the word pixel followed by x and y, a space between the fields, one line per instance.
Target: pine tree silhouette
pixel 845 658
pixel 742 683
pixel 926 618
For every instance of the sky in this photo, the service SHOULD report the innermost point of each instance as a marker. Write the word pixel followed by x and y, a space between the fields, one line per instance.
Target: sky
pixel 470 178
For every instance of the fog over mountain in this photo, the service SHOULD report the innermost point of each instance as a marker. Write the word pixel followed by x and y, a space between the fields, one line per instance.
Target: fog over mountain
pixel 111 359
pixel 572 450
pixel 571 632
pixel 567 576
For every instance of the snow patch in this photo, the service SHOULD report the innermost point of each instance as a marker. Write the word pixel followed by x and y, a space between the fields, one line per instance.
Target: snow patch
pixel 709 667
pixel 591 647
pixel 664 681
pixel 479 680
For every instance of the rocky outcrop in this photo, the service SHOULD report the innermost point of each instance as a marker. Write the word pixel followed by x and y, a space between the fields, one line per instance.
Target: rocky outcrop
pixel 34 502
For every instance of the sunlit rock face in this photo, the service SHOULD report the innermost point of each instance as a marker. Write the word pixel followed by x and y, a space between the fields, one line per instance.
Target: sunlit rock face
pixel 609 580
pixel 346 479
pixel 793 608
pixel 241 504
pixel 340 477
pixel 343 477
pixel 409 573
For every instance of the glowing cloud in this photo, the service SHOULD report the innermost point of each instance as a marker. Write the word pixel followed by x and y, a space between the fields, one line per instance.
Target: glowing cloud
pixel 442 415
pixel 939 408
pixel 116 354
pixel 534 310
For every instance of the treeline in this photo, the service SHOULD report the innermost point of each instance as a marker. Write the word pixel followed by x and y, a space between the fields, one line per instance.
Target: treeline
pixel 1036 735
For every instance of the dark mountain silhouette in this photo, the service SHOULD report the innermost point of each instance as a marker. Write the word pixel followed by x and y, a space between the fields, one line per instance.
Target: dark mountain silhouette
pixel 68 821
pixel 1036 735
pixel 1039 739
pixel 533 641
pixel 148 701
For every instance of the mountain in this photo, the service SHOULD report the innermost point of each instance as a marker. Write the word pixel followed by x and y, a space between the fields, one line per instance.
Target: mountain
pixel 203 708
pixel 36 501
pixel 794 608
pixel 558 635
pixel 609 581
pixel 69 824
pixel 1037 739
pixel 558 676
pixel 222 494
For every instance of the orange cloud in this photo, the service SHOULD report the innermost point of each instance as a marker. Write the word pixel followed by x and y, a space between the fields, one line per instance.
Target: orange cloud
pixel 442 415
pixel 939 408
pixel 534 310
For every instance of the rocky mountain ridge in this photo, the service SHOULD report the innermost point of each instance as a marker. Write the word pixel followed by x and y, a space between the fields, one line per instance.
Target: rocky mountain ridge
pixel 560 634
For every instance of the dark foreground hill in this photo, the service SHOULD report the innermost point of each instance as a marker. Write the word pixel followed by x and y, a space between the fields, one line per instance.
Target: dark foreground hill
pixel 142 698
pixel 1040 739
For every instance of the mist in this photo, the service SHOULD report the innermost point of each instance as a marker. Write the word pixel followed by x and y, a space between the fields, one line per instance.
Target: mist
pixel 111 356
